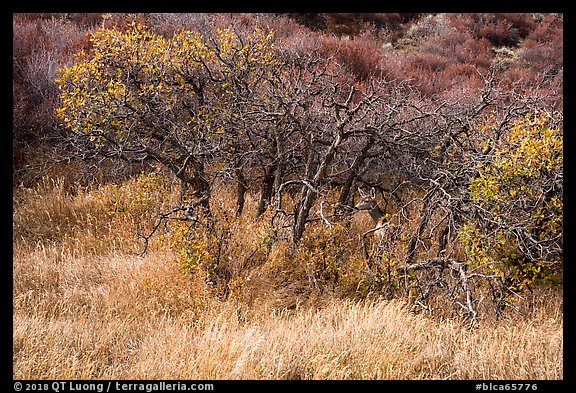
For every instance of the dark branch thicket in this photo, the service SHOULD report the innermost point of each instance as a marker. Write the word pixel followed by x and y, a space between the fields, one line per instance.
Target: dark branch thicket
pixel 304 118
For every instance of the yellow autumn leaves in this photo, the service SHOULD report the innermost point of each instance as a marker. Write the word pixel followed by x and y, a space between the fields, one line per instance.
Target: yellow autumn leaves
pixel 127 73
pixel 517 191
pixel 528 150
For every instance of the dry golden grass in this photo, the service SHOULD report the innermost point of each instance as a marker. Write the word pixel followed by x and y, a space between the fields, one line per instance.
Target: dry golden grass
pixel 87 307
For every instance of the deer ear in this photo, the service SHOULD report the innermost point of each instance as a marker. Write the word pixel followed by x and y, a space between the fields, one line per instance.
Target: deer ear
pixel 373 193
pixel 362 194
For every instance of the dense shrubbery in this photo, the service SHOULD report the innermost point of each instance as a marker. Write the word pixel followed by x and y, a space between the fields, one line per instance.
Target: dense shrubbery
pixel 518 195
pixel 455 119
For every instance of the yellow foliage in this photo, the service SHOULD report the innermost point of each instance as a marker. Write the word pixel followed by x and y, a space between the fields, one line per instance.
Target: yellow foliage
pixel 511 190
pixel 126 74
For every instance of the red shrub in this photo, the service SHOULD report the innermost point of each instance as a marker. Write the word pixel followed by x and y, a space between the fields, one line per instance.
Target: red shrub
pixel 392 66
pixel 499 32
pixel 283 26
pixel 543 49
pixel 441 36
pixel 540 57
pixel 40 45
pixel 496 28
pixel 292 38
pixel 548 30
pixel 360 57
pixel 457 77
pixel 517 76
pixel 311 20
pixel 122 20
pixel 524 23
pixel 428 62
pixel 474 51
pixel 85 19
pixel 342 23
pixel 389 21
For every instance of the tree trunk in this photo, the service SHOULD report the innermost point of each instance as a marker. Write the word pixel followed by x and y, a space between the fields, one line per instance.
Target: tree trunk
pixel 302 212
pixel 192 176
pixel 279 172
pixel 266 189
pixel 309 195
pixel 241 189
pixel 424 219
pixel 344 198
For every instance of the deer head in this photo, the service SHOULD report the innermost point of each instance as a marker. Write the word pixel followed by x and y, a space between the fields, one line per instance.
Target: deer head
pixel 367 201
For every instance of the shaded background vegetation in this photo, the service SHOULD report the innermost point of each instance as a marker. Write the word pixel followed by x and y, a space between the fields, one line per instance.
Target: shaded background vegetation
pixel 442 54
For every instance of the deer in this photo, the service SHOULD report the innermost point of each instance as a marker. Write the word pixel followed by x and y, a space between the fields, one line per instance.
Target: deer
pixel 380 218
pixel 368 202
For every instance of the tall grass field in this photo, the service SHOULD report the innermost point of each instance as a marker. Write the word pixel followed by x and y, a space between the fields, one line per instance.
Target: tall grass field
pixel 87 305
